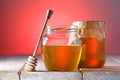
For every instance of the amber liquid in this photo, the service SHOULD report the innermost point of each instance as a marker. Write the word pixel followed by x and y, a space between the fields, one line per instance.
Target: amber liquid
pixel 61 58
pixel 93 53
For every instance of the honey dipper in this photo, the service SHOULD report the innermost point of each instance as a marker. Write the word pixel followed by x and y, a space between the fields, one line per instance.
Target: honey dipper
pixel 32 60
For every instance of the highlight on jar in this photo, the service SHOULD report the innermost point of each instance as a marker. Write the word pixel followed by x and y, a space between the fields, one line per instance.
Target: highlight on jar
pixel 92 34
pixel 61 49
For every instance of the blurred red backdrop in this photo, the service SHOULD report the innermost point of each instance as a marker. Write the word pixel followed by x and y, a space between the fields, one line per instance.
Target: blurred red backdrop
pixel 21 21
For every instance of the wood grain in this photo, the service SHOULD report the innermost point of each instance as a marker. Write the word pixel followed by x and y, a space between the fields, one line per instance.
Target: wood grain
pixel 5 75
pixel 10 65
pixel 101 76
pixel 50 76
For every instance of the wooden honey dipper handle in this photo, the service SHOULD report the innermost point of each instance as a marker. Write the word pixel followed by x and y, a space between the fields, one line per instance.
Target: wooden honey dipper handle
pixel 48 15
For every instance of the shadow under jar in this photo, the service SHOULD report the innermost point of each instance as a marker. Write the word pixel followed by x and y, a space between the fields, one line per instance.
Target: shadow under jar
pixel 61 49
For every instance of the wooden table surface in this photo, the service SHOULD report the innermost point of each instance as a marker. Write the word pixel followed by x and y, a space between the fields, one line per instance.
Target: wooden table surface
pixel 11 64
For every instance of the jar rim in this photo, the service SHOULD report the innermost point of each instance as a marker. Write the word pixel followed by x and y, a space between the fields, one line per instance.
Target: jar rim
pixel 61 29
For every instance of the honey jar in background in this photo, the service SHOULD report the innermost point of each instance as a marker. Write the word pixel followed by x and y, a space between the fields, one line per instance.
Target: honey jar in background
pixel 92 34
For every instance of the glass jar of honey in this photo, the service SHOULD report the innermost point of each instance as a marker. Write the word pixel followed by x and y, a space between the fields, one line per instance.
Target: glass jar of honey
pixel 61 49
pixel 93 43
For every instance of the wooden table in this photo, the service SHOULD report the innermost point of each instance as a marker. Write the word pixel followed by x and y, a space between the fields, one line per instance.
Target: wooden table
pixel 11 64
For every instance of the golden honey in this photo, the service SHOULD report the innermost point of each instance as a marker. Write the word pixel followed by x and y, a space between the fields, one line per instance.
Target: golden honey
pixel 93 53
pixel 61 57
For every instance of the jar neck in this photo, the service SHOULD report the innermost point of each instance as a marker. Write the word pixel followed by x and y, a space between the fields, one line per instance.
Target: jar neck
pixel 94 24
pixel 60 30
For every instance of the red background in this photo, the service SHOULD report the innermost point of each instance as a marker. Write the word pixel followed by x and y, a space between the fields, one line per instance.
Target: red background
pixel 21 21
